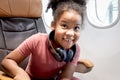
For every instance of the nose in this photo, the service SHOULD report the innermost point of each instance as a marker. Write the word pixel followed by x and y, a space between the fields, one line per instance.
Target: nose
pixel 70 32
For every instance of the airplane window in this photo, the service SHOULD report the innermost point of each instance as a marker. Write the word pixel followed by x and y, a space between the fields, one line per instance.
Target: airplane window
pixel 47 16
pixel 102 13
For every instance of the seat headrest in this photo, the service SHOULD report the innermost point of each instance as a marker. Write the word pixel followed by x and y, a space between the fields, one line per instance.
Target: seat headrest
pixel 20 8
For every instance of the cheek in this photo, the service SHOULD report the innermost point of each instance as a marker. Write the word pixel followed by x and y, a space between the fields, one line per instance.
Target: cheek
pixel 77 36
pixel 59 31
pixel 58 34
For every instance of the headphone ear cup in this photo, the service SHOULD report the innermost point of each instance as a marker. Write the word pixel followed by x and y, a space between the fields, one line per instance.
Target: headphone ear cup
pixel 61 54
pixel 70 54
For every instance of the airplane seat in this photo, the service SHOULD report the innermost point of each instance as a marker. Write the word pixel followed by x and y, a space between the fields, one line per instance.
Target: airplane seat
pixel 19 19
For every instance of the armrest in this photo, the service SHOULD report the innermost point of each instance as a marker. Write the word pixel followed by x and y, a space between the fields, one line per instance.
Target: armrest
pixel 84 66
pixel 3 76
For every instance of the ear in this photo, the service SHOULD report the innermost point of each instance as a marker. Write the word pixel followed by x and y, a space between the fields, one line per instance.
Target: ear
pixel 53 25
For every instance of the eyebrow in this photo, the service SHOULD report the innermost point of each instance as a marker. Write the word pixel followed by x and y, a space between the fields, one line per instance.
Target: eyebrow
pixel 68 22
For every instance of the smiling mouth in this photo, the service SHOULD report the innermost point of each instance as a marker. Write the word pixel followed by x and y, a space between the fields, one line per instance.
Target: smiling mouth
pixel 70 40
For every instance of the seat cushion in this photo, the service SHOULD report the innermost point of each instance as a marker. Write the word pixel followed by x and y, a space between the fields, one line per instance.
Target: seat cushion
pixel 14 31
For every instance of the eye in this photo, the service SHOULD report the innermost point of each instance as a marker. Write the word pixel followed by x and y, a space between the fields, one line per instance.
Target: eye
pixel 64 26
pixel 77 28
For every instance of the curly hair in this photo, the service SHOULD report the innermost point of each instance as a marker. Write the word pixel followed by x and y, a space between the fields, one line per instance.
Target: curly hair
pixel 60 6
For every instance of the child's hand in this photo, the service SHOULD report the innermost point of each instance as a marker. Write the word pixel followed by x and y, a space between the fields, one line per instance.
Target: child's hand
pixel 24 76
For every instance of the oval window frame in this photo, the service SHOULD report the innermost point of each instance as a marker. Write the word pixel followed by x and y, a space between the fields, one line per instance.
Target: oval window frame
pixel 102 26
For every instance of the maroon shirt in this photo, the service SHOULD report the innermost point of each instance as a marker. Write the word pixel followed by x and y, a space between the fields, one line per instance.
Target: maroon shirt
pixel 42 64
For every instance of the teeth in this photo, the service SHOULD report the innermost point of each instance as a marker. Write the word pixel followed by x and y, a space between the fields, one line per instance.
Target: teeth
pixel 70 39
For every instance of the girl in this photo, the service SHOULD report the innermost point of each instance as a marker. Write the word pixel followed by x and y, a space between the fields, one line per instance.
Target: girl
pixel 52 56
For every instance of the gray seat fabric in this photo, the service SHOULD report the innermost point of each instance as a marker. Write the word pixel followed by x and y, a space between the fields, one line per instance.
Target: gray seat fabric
pixel 15 30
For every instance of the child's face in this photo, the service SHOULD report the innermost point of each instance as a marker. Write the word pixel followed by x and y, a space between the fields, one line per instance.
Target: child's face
pixel 67 29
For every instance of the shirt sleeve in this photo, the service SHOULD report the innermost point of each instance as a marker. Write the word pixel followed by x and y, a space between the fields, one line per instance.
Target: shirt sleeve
pixel 26 47
pixel 77 55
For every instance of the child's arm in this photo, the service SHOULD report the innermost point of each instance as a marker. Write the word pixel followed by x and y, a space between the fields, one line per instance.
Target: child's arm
pixel 67 72
pixel 10 66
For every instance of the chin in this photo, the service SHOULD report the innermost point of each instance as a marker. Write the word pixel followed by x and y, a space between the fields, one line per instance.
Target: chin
pixel 67 47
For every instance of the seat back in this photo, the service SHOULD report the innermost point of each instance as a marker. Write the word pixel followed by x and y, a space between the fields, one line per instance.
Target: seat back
pixel 19 19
